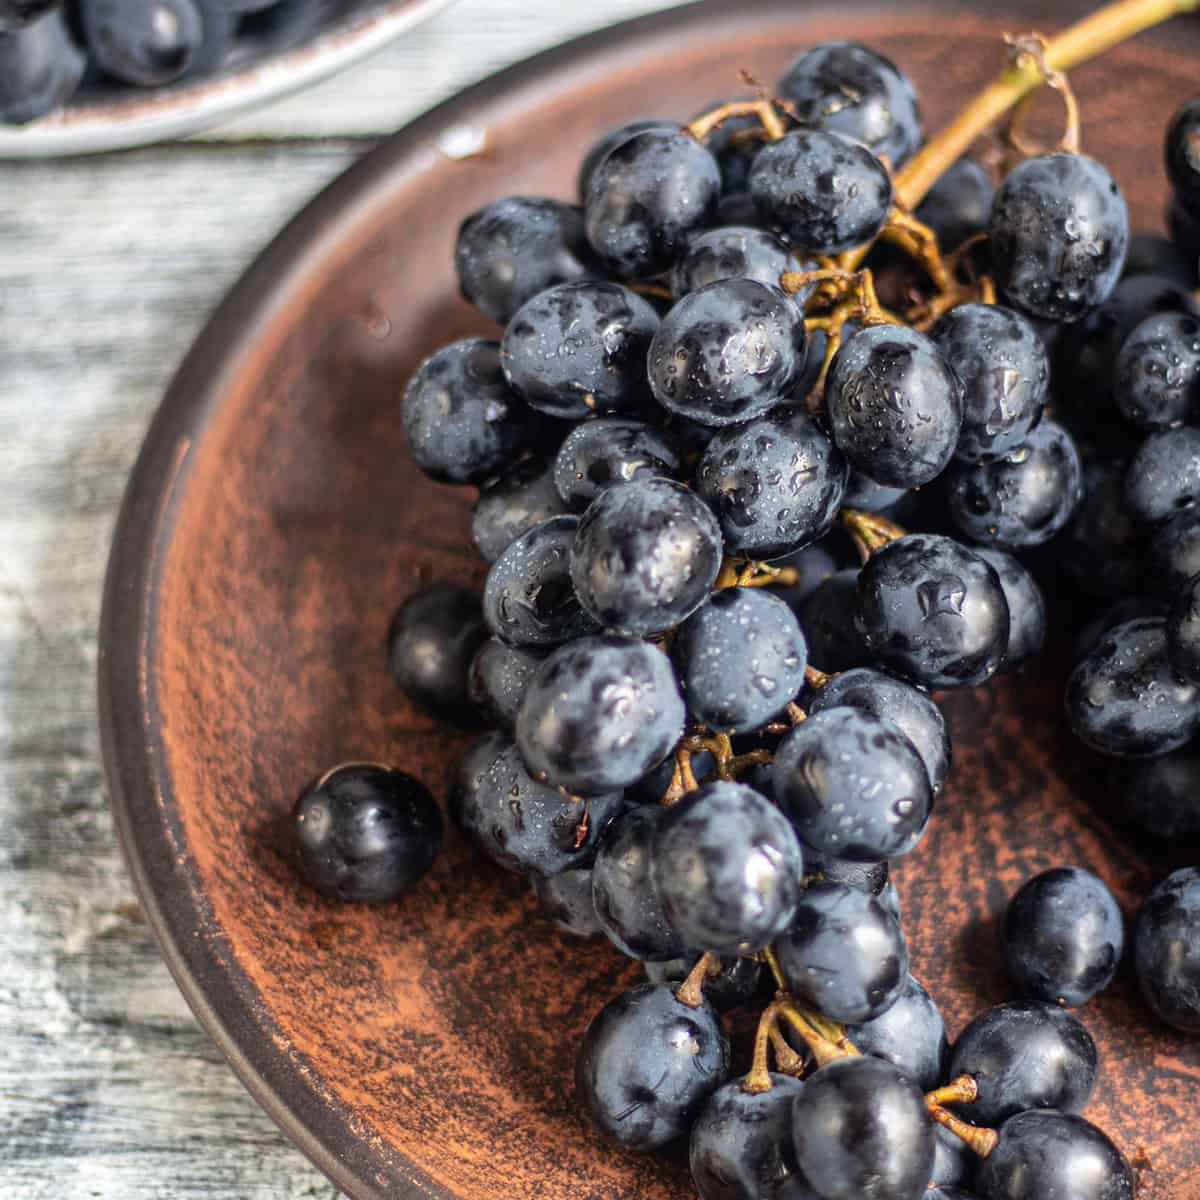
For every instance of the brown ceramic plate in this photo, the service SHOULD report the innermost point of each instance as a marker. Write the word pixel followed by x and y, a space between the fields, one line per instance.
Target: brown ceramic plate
pixel 275 520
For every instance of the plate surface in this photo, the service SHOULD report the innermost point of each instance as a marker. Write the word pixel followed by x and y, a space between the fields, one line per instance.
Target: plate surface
pixel 100 120
pixel 273 523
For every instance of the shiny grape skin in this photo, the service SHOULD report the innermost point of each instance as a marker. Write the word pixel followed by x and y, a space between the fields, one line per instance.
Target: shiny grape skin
pixel 646 556
pixel 606 451
pixel 844 954
pixel 1157 383
pixel 566 899
pixel 604 145
pixel 933 612
pixel 511 249
pixel 775 483
pixel 1023 499
pixel 497 679
pixel 827 616
pixel 741 1145
pixel 623 894
pixel 580 348
pixel 599 714
pixel 911 1035
pixel 872 878
pixel 853 785
pixel 463 422
pixel 958 205
pixel 528 599
pixel 18 14
pixel 732 252
pixel 1005 374
pixel 1175 551
pixel 1128 609
pixel 848 88
pixel 727 868
pixel 432 641
pixel 1045 1154
pixel 142 43
pixel 1162 795
pixel 40 69
pixel 512 504
pixel 646 196
pixel 953 1164
pixel 1063 937
pixel 910 710
pixel 823 192
pixel 738 983
pixel 647 1064
pixel 727 352
pixel 1166 950
pixel 1181 152
pixel 1125 699
pixel 1059 230
pixel 366 833
pixel 1025 1055
pixel 1183 632
pixel 864 493
pixel 1163 477
pixel 861 1129
pixel 894 405
pixel 740 658
pixel 520 824
pixel 1028 624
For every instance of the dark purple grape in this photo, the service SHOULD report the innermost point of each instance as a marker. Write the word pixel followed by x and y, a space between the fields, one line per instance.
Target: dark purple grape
pixel 828 618
pixel 910 1035
pixel 607 142
pixel 1157 383
pixel 871 878
pixel 18 14
pixel 894 405
pixel 497 680
pixel 861 1128
pixel 1125 698
pixel 366 833
pixel 732 252
pixel 646 196
pixel 1027 616
pixel 853 785
pixel 646 556
pixel 727 353
pixel 513 504
pixel 1181 151
pixel 933 612
pixel 145 43
pixel 1175 551
pixel 1166 950
pixel 1163 477
pixel 566 899
pixel 848 88
pixel 1162 795
pixel 844 954
pixel 775 483
pixel 610 450
pixel 952 1164
pixel 1023 499
pixel 959 204
pixel 1063 937
pixel 1183 632
pixel 521 824
pixel 1045 1155
pixel 1184 228
pixel 432 640
pixel 865 494
pixel 1103 550
pixel 463 422
pixel 580 348
pixel 1025 1055
pixel 599 714
pixel 1005 374
pixel 40 68
pixel 1129 609
pixel 737 984
pixel 1058 231
pixel 813 565
pixel 823 192
pixel 513 248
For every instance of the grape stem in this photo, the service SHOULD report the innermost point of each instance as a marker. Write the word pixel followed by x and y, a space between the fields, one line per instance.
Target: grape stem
pixel 869 531
pixel 815 678
pixel 759 1078
pixel 1032 47
pixel 762 108
pixel 977 1137
pixel 691 990
pixel 825 1039
pixel 963 1090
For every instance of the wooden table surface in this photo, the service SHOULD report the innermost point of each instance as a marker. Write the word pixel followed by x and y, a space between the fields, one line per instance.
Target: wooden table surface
pixel 108 268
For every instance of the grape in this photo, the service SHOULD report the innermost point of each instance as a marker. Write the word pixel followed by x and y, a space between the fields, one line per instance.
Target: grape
pixel 566 899
pixel 1163 477
pixel 1175 551
pixel 952 1164
pixel 1102 550
pixel 1027 626
pixel 1181 150
pixel 146 43
pixel 738 983
pixel 911 1035
pixel 1158 371
pixel 827 617
pixel 513 504
pixel 733 252
pixel 19 14
pixel 1160 794
pixel 959 204
pixel 608 142
pixel 1183 632
pixel 1166 950
pixel 609 450
pixel 1154 254
pixel 497 679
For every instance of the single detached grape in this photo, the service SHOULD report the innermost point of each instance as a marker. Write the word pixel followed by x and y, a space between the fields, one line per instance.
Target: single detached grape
pixel 732 252
pixel 844 954
pixel 609 450
pixel 434 636
pixel 1126 699
pixel 727 868
pixel 775 483
pixel 727 352
pixel 524 496
pixel 580 348
pixel 1026 1055
pixel 933 611
pixel 1182 153
pixel 511 249
pixel 1028 619
pixel 464 423
pixel 737 984
pixel 497 680
pixel 861 1129
pixel 853 785
pixel 894 405
pixel 1063 937
pixel 366 833
pixel 646 556
pixel 647 1064
pixel 1059 230
pixel 741 658
pixel 1157 383
pixel 599 714
pixel 850 89
pixel 566 899
pixel 1163 477
pixel 824 192
pixel 1166 950
pixel 608 142
pixel 1005 373
pixel 910 1035
pixel 959 203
